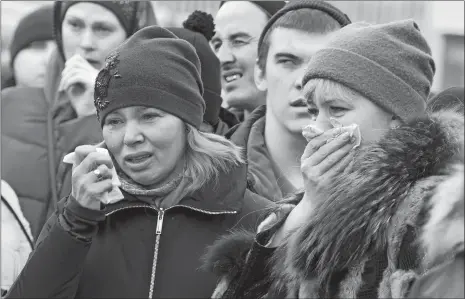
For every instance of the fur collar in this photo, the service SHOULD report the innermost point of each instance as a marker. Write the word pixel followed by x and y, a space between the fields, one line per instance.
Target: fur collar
pixel 353 221
pixel 446 219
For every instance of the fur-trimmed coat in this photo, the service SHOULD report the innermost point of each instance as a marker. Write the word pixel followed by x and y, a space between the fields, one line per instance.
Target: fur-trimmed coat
pixel 443 240
pixel 362 240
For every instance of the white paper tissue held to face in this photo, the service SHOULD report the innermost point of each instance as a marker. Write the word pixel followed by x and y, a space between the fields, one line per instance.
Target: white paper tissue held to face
pixel 310 131
pixel 115 194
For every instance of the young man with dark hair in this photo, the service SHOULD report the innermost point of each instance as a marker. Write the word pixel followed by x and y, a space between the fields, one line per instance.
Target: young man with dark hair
pixel 272 134
pixel 238 25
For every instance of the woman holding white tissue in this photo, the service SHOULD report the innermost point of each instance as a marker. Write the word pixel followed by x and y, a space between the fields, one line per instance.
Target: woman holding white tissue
pixel 179 188
pixel 41 125
pixel 372 159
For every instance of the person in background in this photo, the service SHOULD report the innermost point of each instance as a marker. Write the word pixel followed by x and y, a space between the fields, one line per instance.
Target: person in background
pixel 449 99
pixel 443 240
pixel 17 242
pixel 238 27
pixel 272 134
pixel 30 49
pixel 41 125
pixel 198 29
pixel 352 232
pixel 180 188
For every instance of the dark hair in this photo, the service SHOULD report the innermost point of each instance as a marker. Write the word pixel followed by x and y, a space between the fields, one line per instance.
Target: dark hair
pixel 305 19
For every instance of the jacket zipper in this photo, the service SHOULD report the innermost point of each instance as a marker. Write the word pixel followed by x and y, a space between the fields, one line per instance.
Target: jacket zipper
pixel 158 231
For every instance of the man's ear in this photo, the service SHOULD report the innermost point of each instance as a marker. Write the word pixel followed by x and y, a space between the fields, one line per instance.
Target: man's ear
pixel 395 122
pixel 260 80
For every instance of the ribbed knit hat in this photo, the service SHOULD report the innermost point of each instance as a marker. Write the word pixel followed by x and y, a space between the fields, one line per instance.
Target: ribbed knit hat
pixel 198 30
pixel 390 64
pixel 36 26
pixel 153 68
pixel 323 6
pixel 268 7
pixel 125 11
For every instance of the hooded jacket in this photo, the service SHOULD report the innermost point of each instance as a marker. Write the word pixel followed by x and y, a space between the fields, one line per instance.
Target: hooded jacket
pixel 39 127
pixel 361 241
pixel 132 249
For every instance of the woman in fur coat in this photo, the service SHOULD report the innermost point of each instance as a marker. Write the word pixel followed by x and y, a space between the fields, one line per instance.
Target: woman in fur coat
pixel 352 233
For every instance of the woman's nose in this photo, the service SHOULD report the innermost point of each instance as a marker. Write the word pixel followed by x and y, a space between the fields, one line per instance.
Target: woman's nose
pixel 87 40
pixel 133 134
pixel 322 122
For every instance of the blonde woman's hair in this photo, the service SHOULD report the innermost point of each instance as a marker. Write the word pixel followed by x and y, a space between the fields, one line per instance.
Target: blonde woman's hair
pixel 207 155
pixel 318 88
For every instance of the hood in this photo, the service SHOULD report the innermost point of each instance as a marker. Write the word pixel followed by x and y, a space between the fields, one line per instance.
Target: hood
pixel 356 211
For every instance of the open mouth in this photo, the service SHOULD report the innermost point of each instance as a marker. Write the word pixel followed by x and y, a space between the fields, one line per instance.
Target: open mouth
pixel 137 159
pixel 232 77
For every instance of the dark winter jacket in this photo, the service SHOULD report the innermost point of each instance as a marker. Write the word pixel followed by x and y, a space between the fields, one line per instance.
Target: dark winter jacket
pixel 131 249
pixel 36 134
pixel 261 175
pixel 362 239
pixel 443 240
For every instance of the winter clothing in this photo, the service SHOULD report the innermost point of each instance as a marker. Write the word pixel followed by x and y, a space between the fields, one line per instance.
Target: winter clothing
pixel 39 127
pixel 326 7
pixel 361 241
pixel 16 237
pixel 152 68
pixel 211 73
pixel 443 239
pixel 132 248
pixel 133 15
pixel 263 178
pixel 268 7
pixel 36 26
pixel 451 98
pixel 390 64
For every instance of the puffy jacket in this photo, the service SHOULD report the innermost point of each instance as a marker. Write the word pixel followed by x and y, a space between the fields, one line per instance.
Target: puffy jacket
pixel 16 237
pixel 135 250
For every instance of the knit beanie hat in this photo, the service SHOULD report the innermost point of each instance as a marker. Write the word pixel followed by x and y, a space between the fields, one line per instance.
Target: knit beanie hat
pixel 36 26
pixel 323 6
pixel 390 64
pixel 268 7
pixel 198 30
pixel 126 12
pixel 153 68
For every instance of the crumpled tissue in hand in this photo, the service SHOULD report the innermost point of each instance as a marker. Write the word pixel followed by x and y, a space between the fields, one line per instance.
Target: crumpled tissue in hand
pixel 115 194
pixel 310 131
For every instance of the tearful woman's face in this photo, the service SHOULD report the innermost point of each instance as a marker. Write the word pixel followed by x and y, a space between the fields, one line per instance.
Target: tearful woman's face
pixel 92 31
pixel 346 107
pixel 147 143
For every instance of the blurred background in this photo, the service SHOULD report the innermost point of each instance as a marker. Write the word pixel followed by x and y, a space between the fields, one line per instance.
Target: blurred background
pixel 442 22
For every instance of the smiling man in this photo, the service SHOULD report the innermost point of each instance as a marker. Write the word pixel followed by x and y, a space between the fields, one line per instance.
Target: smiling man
pixel 272 134
pixel 238 25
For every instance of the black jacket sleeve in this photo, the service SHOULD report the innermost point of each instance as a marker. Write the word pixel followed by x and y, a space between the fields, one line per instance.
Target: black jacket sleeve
pixel 54 267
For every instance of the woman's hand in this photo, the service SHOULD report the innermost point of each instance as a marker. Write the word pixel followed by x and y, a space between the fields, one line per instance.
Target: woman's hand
pixel 78 80
pixel 325 156
pixel 91 176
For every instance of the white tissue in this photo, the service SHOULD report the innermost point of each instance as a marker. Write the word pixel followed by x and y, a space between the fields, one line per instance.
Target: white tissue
pixel 311 131
pixel 115 194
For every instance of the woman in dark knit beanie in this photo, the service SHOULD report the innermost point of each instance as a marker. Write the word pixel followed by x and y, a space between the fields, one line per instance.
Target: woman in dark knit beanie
pixel 60 115
pixel 147 201
pixel 373 156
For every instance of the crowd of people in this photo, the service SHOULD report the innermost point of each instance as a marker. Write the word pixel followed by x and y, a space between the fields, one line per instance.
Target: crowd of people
pixel 274 150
